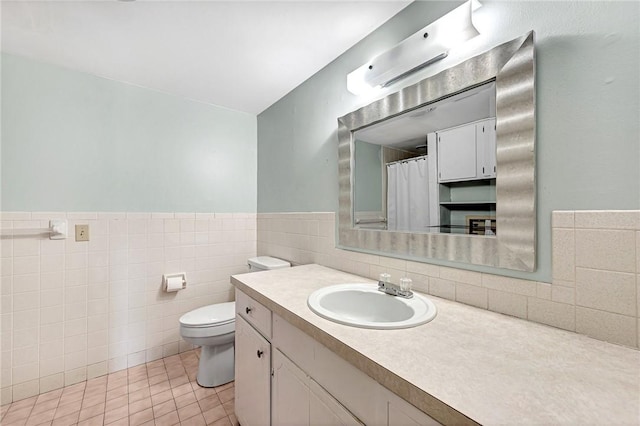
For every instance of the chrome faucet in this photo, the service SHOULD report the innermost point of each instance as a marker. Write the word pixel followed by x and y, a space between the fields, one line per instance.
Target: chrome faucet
pixel 394 290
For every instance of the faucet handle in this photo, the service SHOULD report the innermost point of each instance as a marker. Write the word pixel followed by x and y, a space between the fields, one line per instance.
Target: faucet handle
pixel 405 284
pixel 383 280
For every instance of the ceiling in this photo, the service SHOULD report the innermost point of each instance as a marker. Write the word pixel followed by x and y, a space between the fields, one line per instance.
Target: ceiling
pixel 407 131
pixel 236 54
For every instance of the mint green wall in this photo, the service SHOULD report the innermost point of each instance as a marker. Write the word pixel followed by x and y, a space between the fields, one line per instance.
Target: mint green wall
pixel 75 142
pixel 588 91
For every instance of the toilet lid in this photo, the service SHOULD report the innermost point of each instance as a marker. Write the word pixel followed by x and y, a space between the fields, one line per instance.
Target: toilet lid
pixel 211 315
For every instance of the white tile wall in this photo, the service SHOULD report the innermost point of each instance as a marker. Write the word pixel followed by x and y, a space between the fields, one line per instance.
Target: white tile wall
pixel 77 310
pixel 595 288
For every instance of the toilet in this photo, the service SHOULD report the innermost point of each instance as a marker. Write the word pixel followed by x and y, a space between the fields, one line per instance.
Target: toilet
pixel 212 328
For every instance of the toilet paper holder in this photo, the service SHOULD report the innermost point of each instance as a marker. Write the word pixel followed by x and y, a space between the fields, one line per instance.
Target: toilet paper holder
pixel 174 282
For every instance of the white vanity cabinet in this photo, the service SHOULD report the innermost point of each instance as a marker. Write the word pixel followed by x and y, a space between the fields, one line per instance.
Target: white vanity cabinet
pixel 326 410
pixel 467 152
pixel 297 400
pixel 306 383
pixel 252 362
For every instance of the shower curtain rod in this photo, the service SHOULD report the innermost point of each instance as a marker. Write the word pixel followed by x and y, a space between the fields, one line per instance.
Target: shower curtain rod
pixel 406 160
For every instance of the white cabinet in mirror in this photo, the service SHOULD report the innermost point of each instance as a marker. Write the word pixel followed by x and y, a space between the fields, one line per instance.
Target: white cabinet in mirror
pixel 445 169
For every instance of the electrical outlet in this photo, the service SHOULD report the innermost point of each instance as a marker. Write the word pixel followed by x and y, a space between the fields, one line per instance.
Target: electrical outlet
pixel 82 232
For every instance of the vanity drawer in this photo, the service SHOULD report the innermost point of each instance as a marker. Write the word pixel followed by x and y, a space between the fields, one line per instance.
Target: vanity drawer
pixel 255 313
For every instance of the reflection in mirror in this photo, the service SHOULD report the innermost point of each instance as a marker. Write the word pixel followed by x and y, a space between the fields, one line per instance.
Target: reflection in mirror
pixel 477 120
pixel 431 169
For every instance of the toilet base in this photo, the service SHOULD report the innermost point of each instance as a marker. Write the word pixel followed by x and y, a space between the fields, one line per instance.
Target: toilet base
pixel 216 365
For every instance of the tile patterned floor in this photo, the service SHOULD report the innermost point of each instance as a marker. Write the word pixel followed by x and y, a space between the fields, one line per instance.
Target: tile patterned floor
pixel 162 393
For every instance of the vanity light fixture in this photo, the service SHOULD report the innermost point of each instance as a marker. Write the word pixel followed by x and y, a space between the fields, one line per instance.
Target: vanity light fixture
pixel 427 46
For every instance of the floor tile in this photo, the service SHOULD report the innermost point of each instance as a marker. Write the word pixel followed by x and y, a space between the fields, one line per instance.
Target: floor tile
pixel 92 411
pixel 214 414
pixel 120 422
pixel 222 422
pixel 138 395
pixel 116 414
pixel 41 417
pixel 91 400
pixel 189 411
pixel 154 364
pixel 54 394
pixel 117 392
pixel 45 406
pixel 141 417
pixel 67 420
pixel 201 392
pixel 68 398
pixel 15 415
pixel 229 407
pixel 227 395
pixel 163 408
pixel 24 403
pixel 185 399
pixel 72 407
pixel 181 390
pixel 209 402
pixel 139 405
pixel 159 393
pixel 139 385
pixel 159 387
pixel 116 383
pixel 116 403
pixel 168 419
pixel 74 388
pixel 158 378
pixel 179 380
pixel 93 421
pixel 156 371
pixel 162 397
pixel 197 420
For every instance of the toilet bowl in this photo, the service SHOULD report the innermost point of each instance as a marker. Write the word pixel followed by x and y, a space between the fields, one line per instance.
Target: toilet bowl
pixel 212 328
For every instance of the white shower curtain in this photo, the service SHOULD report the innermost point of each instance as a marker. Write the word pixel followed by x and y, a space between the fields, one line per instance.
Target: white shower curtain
pixel 408 195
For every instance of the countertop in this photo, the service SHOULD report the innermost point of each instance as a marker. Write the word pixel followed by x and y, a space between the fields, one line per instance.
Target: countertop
pixel 468 365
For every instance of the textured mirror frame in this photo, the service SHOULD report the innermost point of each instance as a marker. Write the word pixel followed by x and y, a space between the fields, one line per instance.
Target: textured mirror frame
pixel 512 66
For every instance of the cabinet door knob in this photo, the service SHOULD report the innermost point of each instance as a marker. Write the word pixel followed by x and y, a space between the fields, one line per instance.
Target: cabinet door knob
pixel 260 353
pixel 247 310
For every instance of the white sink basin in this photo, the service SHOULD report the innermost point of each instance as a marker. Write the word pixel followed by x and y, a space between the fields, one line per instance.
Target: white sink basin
pixel 362 305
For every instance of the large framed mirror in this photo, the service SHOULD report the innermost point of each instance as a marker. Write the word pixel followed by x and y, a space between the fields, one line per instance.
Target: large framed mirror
pixel 467 134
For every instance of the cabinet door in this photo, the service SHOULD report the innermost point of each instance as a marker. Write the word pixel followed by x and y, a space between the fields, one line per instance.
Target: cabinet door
pixel 252 382
pixel 326 411
pixel 290 393
pixel 486 139
pixel 457 154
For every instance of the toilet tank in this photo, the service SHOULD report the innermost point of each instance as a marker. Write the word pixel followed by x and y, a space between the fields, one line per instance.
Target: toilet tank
pixel 265 263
